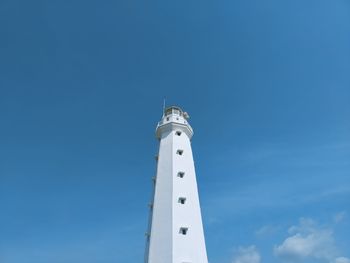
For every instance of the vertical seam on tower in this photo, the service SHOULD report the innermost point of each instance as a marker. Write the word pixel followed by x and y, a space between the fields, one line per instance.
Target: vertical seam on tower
pixel 172 193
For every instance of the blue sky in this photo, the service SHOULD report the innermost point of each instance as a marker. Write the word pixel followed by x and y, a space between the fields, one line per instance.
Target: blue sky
pixel 266 83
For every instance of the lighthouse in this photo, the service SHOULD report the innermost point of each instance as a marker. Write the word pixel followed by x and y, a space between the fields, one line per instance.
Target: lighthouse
pixel 175 233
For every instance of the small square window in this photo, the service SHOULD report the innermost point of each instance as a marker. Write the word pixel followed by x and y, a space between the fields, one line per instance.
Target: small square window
pixel 183 230
pixel 180 152
pixel 181 174
pixel 182 200
pixel 167 118
pixel 178 133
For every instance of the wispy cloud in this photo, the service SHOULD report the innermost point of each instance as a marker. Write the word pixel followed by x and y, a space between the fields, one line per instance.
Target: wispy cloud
pixel 338 217
pixel 268 196
pixel 247 255
pixel 288 176
pixel 298 155
pixel 267 230
pixel 342 260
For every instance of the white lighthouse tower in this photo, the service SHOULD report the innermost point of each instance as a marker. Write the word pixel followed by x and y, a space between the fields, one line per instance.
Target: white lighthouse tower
pixel 175 232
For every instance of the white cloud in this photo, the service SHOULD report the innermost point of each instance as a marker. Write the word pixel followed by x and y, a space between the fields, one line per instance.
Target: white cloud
pixel 247 255
pixel 308 241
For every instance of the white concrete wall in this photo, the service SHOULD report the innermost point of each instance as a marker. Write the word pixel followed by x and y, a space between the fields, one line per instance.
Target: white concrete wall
pixel 160 247
pixel 190 247
pixel 167 245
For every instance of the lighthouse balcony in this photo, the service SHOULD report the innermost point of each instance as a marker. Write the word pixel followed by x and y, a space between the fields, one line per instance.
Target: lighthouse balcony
pixel 175 117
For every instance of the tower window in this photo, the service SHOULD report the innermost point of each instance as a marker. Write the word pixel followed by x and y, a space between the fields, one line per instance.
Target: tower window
pixel 167 118
pixel 178 133
pixel 183 230
pixel 180 152
pixel 181 174
pixel 182 200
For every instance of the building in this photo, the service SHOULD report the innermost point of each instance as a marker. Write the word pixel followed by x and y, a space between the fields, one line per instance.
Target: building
pixel 175 232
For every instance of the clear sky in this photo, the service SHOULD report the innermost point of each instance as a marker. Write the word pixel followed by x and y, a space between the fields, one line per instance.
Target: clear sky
pixel 267 86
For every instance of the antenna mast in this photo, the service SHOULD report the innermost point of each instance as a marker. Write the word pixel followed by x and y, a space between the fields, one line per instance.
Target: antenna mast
pixel 163 107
